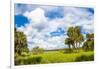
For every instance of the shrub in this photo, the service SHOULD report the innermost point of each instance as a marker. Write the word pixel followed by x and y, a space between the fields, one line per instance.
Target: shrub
pixel 24 54
pixel 28 60
pixel 37 50
pixel 85 58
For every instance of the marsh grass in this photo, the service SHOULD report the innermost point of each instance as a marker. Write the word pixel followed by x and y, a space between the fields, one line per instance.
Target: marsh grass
pixel 54 57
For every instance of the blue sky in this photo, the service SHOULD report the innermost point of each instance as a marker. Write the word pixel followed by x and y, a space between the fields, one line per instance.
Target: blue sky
pixel 20 20
pixel 46 26
pixel 58 32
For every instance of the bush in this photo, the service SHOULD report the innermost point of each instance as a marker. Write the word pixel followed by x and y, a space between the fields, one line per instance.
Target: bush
pixel 28 60
pixel 85 58
pixel 37 50
pixel 16 55
pixel 24 54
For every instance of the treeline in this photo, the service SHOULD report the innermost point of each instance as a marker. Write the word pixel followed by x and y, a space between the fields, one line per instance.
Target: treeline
pixel 77 41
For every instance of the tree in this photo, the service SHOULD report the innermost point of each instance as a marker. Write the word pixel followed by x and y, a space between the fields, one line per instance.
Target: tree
pixel 90 36
pixel 89 43
pixel 37 50
pixel 20 42
pixel 80 39
pixel 68 42
pixel 75 37
pixel 70 34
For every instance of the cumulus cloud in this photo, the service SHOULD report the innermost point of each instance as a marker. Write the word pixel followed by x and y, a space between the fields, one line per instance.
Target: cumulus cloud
pixel 36 16
pixel 50 33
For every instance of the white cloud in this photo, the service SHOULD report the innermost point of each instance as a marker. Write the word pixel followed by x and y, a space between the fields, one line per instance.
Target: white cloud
pixel 36 16
pixel 39 28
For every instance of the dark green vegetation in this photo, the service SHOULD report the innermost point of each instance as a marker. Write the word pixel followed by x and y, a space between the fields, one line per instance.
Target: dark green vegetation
pixel 20 43
pixel 76 38
pixel 80 48
pixel 89 44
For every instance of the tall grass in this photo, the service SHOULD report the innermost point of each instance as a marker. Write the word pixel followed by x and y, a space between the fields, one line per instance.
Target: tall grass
pixel 54 57
pixel 28 60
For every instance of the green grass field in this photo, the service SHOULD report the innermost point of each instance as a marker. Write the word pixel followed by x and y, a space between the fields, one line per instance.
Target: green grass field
pixel 54 57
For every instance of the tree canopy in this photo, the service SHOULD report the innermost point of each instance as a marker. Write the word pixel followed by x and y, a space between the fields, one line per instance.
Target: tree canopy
pixel 75 37
pixel 20 42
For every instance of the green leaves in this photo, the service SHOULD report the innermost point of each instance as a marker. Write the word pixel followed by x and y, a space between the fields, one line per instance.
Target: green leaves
pixel 20 42
pixel 89 43
pixel 75 37
pixel 37 50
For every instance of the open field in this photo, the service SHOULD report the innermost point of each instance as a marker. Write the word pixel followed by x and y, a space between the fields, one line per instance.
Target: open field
pixel 54 57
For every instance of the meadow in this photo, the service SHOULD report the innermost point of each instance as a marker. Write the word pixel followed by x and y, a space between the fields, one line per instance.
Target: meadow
pixel 54 57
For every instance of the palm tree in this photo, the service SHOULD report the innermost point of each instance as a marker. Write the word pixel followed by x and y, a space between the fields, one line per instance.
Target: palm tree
pixel 71 33
pixel 20 42
pixel 80 39
pixel 75 37
pixel 68 42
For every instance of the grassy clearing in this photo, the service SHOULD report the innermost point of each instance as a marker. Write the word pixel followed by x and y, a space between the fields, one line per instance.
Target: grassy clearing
pixel 54 57
pixel 57 57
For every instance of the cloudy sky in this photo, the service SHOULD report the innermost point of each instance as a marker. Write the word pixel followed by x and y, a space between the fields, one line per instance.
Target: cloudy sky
pixel 46 26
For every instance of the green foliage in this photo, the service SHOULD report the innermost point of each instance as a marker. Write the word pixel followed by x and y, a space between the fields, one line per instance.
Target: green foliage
pixel 75 37
pixel 90 36
pixel 89 43
pixel 37 50
pixel 28 60
pixel 85 58
pixel 20 42
pixel 57 57
pixel 24 54
pixel 54 57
